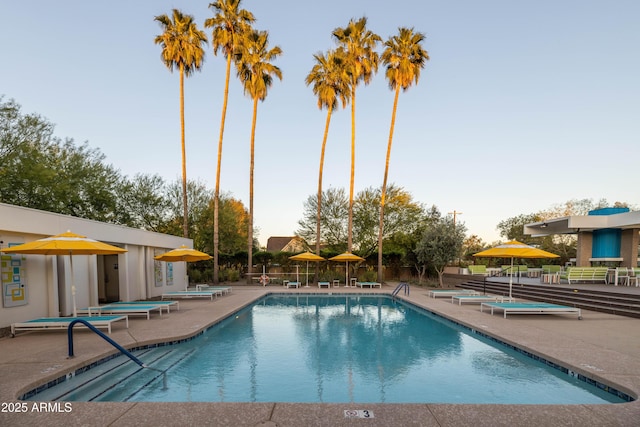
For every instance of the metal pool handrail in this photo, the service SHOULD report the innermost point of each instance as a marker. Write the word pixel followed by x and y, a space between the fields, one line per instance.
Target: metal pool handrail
pixel 113 343
pixel 401 285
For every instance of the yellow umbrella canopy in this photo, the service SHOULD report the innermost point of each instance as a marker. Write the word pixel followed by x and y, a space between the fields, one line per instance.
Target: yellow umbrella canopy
pixel 514 249
pixel 346 257
pixel 66 244
pixel 183 253
pixel 307 256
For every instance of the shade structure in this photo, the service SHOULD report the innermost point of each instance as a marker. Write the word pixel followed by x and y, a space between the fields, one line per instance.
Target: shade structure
pixel 307 256
pixel 346 257
pixel 514 249
pixel 66 244
pixel 183 253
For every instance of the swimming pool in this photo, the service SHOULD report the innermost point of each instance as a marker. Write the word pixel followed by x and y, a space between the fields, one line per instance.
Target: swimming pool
pixel 341 348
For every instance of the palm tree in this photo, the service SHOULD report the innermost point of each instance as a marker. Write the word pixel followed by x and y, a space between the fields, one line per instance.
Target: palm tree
pixel 253 59
pixel 358 46
pixel 229 24
pixel 182 48
pixel 404 57
pixel 330 85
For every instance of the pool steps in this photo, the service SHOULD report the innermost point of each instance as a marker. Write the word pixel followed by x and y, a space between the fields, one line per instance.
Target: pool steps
pixel 107 377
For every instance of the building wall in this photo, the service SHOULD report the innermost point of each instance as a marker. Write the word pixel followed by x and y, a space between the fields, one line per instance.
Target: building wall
pixel 48 278
pixel 584 249
pixel 629 247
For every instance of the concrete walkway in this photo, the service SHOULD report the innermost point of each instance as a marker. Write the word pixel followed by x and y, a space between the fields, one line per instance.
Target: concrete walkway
pixel 601 346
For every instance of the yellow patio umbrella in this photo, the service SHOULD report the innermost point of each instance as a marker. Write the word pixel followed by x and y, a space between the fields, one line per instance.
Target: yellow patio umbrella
pixel 515 249
pixel 183 253
pixel 307 256
pixel 66 244
pixel 346 256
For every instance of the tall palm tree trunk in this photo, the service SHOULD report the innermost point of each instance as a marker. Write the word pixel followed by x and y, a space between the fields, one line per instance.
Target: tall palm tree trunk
pixel 216 198
pixel 321 169
pixel 185 223
pixel 353 166
pixel 250 233
pixel 384 185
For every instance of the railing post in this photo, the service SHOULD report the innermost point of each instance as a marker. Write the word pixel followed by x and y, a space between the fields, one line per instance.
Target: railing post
pixel 106 338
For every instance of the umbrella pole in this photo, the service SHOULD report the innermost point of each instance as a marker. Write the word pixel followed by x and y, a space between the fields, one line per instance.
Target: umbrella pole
pixel 73 286
pixel 346 275
pixel 510 278
pixel 307 275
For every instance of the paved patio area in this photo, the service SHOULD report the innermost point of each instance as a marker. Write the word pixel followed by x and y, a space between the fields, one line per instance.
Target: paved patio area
pixel 602 346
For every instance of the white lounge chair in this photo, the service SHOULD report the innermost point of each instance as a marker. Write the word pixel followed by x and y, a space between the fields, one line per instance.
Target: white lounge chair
pixel 168 304
pixel 324 284
pixel 478 299
pixel 530 308
pixel 191 294
pixel 124 309
pixel 293 284
pixel 440 293
pixel 223 289
pixel 57 323
pixel 369 284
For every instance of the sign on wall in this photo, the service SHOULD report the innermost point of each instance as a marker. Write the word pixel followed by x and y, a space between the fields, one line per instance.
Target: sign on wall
pixel 157 270
pixel 13 276
pixel 169 274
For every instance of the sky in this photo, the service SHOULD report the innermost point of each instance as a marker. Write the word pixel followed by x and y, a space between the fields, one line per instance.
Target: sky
pixel 522 105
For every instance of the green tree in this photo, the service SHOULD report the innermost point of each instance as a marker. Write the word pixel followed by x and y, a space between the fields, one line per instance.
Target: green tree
pixel 329 82
pixel 233 219
pixel 182 48
pixel 144 203
pixel 332 217
pixel 200 197
pixel 256 73
pixel 41 171
pixel 403 216
pixel 230 24
pixel 513 228
pixel 357 44
pixel 471 245
pixel 440 244
pixel 404 58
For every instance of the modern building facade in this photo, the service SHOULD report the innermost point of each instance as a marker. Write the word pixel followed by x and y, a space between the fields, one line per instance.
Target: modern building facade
pixel 40 285
pixel 608 235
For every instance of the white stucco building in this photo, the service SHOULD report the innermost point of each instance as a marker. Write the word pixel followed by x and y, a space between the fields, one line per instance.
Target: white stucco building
pixel 39 285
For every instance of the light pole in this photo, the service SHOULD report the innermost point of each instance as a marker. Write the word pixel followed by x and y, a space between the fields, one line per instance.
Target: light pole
pixel 455 213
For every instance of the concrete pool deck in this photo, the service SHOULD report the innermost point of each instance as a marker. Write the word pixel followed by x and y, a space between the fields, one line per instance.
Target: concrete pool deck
pixel 602 346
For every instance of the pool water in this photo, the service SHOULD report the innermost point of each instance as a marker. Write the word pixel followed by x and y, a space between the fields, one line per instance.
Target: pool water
pixel 313 348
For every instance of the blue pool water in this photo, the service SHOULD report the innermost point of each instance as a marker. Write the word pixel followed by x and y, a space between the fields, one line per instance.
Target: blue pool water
pixel 332 349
